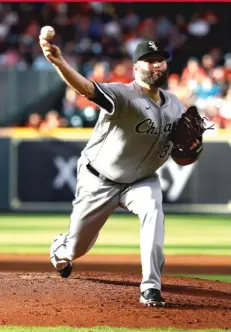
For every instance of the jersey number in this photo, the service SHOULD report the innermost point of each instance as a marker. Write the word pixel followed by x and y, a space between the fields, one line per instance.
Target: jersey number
pixel 166 151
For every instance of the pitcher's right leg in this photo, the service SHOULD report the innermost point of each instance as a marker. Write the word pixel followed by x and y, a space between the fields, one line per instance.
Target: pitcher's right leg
pixel 94 202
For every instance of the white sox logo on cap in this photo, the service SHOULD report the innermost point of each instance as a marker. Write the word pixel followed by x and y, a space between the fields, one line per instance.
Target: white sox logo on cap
pixel 153 45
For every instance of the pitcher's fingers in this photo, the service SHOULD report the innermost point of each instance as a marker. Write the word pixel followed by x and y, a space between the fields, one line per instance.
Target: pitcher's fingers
pixel 47 48
pixel 54 48
pixel 42 38
pixel 43 42
pixel 47 54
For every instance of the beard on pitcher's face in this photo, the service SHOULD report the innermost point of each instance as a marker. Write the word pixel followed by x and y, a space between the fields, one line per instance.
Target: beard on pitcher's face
pixel 154 78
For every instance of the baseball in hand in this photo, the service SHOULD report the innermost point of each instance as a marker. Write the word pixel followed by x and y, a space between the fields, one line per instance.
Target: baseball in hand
pixel 47 32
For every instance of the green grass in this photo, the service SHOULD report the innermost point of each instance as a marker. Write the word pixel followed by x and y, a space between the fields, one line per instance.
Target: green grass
pixel 95 329
pixel 223 278
pixel 184 235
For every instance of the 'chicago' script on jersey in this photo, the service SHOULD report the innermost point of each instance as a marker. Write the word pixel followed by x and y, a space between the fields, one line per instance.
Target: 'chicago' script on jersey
pixel 148 127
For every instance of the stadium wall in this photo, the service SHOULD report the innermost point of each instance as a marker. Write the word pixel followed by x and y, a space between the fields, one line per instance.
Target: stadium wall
pixel 38 174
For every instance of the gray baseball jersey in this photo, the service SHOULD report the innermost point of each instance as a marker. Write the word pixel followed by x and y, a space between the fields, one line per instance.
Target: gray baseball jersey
pixel 130 140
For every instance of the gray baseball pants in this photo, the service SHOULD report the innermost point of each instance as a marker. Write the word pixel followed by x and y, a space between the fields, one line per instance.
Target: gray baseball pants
pixel 95 200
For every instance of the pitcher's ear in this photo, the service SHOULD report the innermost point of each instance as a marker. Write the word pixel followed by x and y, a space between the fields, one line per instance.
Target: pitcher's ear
pixel 135 66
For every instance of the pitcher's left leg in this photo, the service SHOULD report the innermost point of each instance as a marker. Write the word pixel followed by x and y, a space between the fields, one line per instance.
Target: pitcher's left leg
pixel 145 199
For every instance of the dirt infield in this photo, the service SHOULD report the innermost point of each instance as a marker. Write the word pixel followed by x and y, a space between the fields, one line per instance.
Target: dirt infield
pixel 108 293
pixel 111 299
pixel 123 263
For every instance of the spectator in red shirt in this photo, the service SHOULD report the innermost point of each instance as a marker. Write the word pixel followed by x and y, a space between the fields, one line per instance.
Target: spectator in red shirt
pixel 192 70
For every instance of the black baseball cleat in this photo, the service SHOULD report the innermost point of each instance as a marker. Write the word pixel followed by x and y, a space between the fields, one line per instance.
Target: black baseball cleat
pixel 66 271
pixel 152 298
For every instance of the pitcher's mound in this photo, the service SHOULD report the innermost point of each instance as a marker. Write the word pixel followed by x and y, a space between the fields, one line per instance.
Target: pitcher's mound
pixel 111 299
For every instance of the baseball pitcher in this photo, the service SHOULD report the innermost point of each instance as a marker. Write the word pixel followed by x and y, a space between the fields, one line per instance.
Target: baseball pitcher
pixel 130 141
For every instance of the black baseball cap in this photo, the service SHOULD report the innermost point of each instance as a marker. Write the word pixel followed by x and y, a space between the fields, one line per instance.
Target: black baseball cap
pixel 149 48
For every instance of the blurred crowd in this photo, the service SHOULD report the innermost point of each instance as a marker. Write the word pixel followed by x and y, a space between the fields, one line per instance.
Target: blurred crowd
pixel 98 39
pixel 206 84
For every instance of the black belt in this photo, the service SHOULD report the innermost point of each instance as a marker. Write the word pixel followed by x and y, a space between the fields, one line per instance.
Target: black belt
pixel 103 177
pixel 96 173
